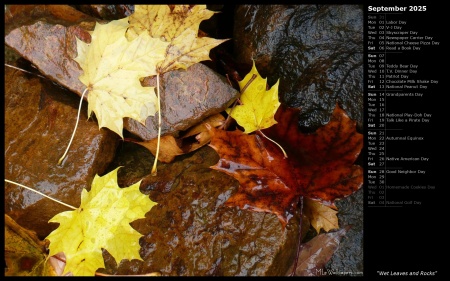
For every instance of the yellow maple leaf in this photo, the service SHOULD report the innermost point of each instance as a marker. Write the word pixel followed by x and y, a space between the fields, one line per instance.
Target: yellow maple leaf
pixel 178 26
pixel 320 216
pixel 112 67
pixel 101 222
pixel 258 105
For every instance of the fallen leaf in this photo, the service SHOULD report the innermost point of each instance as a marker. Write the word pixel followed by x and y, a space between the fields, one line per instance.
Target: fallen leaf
pixel 258 105
pixel 25 254
pixel 214 121
pixel 170 147
pixel 319 165
pixel 101 222
pixel 266 181
pixel 179 27
pixel 201 133
pixel 315 253
pixel 112 67
pixel 324 159
pixel 320 216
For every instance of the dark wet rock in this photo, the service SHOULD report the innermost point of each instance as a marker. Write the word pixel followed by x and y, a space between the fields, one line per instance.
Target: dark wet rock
pixel 188 96
pixel 106 12
pixel 349 256
pixel 39 120
pixel 191 232
pixel 135 161
pixel 315 50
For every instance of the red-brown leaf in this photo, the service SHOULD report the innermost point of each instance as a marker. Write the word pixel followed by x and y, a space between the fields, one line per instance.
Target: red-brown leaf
pixel 324 159
pixel 257 165
pixel 319 165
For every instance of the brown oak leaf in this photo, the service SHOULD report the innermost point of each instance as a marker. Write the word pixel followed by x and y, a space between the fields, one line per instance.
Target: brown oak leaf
pixel 317 252
pixel 191 140
pixel 321 216
pixel 319 166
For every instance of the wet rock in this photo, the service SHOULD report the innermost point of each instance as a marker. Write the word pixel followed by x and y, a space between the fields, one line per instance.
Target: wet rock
pixel 190 232
pixel 106 12
pixel 17 16
pixel 136 162
pixel 187 96
pixel 315 50
pixel 39 120
pixel 349 256
pixel 47 39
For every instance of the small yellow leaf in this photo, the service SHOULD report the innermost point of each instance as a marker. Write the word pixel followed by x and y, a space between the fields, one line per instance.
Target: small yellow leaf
pixel 179 27
pixel 101 222
pixel 258 105
pixel 321 216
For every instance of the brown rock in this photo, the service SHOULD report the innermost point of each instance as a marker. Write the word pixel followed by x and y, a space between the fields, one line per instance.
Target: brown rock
pixel 187 97
pixel 20 15
pixel 191 233
pixel 39 121
pixel 47 39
